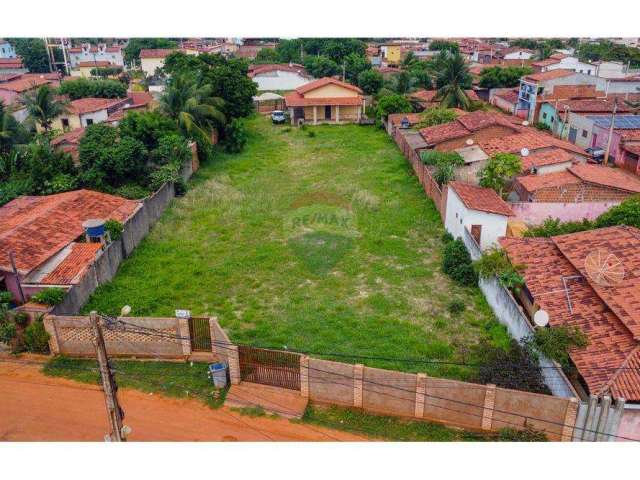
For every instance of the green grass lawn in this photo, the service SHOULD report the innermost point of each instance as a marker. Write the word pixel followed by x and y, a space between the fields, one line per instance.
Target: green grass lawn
pixel 319 240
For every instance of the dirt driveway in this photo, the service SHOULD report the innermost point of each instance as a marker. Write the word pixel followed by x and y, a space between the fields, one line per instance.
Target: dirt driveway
pixel 39 408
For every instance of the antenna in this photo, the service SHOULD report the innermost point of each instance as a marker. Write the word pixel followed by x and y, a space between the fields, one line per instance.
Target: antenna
pixel 604 268
pixel 524 152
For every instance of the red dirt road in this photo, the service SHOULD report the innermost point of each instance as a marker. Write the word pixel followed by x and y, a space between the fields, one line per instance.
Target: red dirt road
pixel 35 407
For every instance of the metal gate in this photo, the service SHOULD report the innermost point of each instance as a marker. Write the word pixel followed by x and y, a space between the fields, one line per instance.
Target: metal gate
pixel 200 334
pixel 270 367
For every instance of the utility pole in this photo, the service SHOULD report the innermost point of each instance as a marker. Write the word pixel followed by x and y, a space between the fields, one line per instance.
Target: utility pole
pixel 613 120
pixel 114 412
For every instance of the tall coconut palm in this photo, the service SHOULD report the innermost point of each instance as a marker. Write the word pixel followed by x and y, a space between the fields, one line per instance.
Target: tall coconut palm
pixel 193 107
pixel 43 106
pixel 451 80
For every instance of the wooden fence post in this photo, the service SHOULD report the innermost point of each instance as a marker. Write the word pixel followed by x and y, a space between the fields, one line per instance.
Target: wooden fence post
pixel 50 327
pixel 304 376
pixel 489 403
pixel 569 420
pixel 234 364
pixel 183 332
pixel 358 376
pixel 421 390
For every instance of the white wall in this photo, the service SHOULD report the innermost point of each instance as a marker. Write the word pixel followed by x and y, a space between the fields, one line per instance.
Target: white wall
pixel 572 63
pixel 97 117
pixel 149 65
pixel 556 167
pixel 458 216
pixel 280 80
pixel 519 55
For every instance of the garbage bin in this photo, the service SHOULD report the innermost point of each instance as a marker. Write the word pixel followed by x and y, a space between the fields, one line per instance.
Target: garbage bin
pixel 218 374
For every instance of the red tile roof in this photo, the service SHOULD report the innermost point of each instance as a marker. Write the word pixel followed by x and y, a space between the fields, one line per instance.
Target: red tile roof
pixel 607 177
pixel 88 105
pixel 549 75
pixel 297 97
pixel 23 84
pixel 466 125
pixel 73 137
pixel 546 157
pixel 157 52
pixel 632 148
pixel 429 96
pixel 546 62
pixel 529 138
pixel 596 174
pixel 396 118
pixel 5 77
pixel 73 266
pixel 35 228
pixel 94 49
pixel 321 82
pixel 608 316
pixel 479 198
pixel 11 63
pixel 510 96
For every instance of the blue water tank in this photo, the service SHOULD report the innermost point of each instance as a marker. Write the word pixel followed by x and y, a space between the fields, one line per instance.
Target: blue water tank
pixel 94 227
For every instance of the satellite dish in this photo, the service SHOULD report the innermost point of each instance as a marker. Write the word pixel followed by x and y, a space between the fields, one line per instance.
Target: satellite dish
pixel 541 318
pixel 124 311
pixel 469 141
pixel 604 268
pixel 524 152
pixel 525 123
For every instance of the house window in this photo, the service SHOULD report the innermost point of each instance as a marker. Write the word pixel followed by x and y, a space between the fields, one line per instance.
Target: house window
pixel 65 123
pixel 89 121
pixel 544 116
pixel 553 119
pixel 585 134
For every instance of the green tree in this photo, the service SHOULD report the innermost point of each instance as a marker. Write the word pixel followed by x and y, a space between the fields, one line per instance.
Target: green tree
pixel 436 116
pixel 85 88
pixel 33 53
pixel 193 107
pixel 502 77
pixel 499 171
pixel 451 81
pixel 444 45
pixel 627 213
pixel 355 64
pixel 321 66
pixel 370 81
pixel 445 164
pixel 147 127
pixel 43 106
pixel 11 131
pixel 289 50
pixel 267 55
pixel 392 104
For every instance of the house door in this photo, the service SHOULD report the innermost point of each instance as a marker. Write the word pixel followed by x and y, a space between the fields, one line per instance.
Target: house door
pixel 476 232
pixel 573 133
pixel 327 112
pixel 594 139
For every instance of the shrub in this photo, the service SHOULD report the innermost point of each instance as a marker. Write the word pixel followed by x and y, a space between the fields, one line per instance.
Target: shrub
pixel 445 163
pixel 514 367
pixel 555 342
pixel 436 116
pixel 456 307
pixel 114 228
pixel 50 296
pixel 172 149
pixel 311 134
pixel 495 263
pixel 83 87
pixel 5 297
pixel 180 187
pixel 393 103
pixel 235 136
pixel 529 434
pixel 36 338
pixel 165 173
pixel 499 170
pixel 456 263
pixel 21 319
pixel 542 126
pixel 8 331
pixel 446 238
pixel 132 191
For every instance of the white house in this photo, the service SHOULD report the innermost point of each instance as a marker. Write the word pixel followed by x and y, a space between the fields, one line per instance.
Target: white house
pixel 152 59
pixel 478 210
pixel 516 53
pixel 6 49
pixel 96 53
pixel 559 61
pixel 279 77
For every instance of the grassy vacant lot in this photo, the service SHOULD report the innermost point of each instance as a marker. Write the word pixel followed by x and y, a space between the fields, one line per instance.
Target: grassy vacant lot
pixel 317 239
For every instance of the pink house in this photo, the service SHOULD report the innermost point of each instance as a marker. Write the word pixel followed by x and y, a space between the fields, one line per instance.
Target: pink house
pixel 11 91
pixel 626 132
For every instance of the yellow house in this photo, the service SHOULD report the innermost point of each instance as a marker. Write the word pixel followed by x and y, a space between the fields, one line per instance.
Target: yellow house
pixel 392 54
pixel 86 111
pixel 326 100
pixel 153 58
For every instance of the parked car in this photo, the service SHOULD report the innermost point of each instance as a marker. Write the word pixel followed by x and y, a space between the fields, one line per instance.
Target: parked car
pixel 278 116
pixel 597 154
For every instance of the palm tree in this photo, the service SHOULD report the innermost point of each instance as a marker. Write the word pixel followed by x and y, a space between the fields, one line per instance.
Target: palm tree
pixel 193 107
pixel 10 130
pixel 451 80
pixel 43 106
